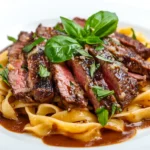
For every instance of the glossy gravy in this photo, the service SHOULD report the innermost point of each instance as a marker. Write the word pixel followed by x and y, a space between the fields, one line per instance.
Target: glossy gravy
pixel 108 136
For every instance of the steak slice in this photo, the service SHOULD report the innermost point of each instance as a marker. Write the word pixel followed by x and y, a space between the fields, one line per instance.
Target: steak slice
pixel 134 62
pixel 137 46
pixel 81 70
pixel 17 74
pixel 117 78
pixel 70 91
pixel 42 87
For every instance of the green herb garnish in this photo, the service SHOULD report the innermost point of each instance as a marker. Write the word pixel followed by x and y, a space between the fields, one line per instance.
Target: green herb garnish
pixel 43 72
pixel 10 38
pixel 4 74
pixel 102 115
pixel 133 34
pixel 83 53
pixel 101 93
pixel 62 48
pixel 104 59
pixel 29 47
pixel 99 48
pixel 92 69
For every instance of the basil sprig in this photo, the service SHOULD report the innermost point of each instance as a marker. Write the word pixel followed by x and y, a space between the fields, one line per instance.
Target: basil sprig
pixel 62 48
pixel 102 115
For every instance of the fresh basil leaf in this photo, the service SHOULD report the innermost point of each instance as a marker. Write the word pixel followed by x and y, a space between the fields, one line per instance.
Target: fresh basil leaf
pixel 29 47
pixel 71 83
pixel 93 40
pixel 101 23
pixel 102 115
pixel 43 72
pixel 133 34
pixel 97 66
pixel 4 75
pixel 92 69
pixel 83 52
pixel 72 28
pixel 10 38
pixel 113 109
pixel 101 93
pixel 61 48
pixel 99 48
pixel 59 27
pixel 104 59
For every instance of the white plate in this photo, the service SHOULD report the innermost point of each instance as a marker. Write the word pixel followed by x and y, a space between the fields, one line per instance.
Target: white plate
pixel 26 15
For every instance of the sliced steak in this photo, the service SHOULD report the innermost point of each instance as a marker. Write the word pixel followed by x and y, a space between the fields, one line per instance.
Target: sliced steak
pixel 70 91
pixel 137 46
pixel 134 62
pixel 17 74
pixel 117 78
pixel 41 87
pixel 81 71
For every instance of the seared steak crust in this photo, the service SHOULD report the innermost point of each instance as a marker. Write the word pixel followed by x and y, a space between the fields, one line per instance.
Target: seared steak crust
pixel 41 87
pixel 137 46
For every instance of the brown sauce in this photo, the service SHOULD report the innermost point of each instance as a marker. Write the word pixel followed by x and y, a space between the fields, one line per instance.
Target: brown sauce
pixel 108 136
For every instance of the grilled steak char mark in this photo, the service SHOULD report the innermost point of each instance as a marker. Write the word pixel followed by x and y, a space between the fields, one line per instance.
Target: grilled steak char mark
pixel 117 78
pixel 137 46
pixel 134 62
pixel 81 69
pixel 17 75
pixel 71 93
pixel 41 87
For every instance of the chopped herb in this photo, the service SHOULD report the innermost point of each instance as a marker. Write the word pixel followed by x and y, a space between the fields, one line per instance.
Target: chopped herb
pixel 43 72
pixel 84 53
pixel 59 27
pixel 99 48
pixel 133 34
pixel 4 74
pixel 92 69
pixel 29 47
pixel 97 66
pixel 146 44
pixel 104 59
pixel 102 115
pixel 34 35
pixel 10 38
pixel 113 109
pixel 71 83
pixel 101 93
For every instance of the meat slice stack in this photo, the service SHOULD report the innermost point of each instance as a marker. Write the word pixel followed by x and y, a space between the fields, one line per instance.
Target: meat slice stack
pixel 116 76
pixel 81 70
